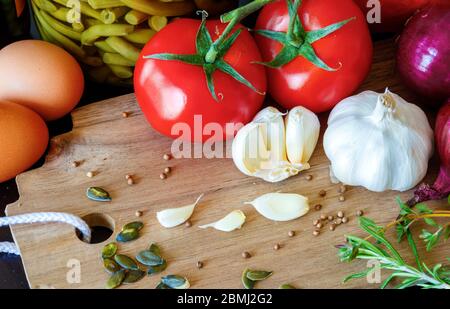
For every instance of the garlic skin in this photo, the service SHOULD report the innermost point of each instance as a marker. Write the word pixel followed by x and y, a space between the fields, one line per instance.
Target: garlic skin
pixel 281 206
pixel 234 220
pixel 378 141
pixel 172 217
pixel 260 148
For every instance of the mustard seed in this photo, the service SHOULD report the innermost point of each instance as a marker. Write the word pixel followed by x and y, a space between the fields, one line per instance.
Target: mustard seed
pixel 308 177
pixel 130 181
pixel 338 221
pixel 316 233
pixel 322 193
pixel 344 220
pixel 75 163
pixel 128 176
pixel 315 222
pixel 167 170
pixel 317 207
pixel 319 225
pixel 359 213
pixel 332 227
pixel 166 157
pixel 341 198
pixel 162 176
pixel 199 264
pixel 330 218
pixel 323 217
pixel 246 255
pixel 340 214
pixel 90 174
pixel 125 114
pixel 276 247
pixel 291 233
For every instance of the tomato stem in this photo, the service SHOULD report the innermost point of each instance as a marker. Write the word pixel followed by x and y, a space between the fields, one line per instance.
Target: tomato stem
pixel 233 18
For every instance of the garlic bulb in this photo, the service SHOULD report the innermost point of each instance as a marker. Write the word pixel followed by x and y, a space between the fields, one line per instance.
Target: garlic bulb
pixel 270 149
pixel 378 141
pixel 176 216
pixel 281 206
pixel 234 220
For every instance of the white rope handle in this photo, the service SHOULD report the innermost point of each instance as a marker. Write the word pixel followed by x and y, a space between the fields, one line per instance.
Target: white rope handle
pixel 42 217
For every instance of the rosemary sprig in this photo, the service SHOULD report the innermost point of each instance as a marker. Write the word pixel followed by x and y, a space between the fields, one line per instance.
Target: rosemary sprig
pixel 383 251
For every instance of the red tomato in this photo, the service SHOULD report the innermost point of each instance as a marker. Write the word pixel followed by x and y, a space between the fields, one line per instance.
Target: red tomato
pixel 394 13
pixel 172 92
pixel 349 50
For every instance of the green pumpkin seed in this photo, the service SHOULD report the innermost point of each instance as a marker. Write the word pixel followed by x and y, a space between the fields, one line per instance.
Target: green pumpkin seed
pixel 116 279
pixel 111 266
pixel 287 287
pixel 98 194
pixel 109 250
pixel 248 284
pixel 174 281
pixel 133 276
pixel 148 258
pixel 157 269
pixel 162 286
pixel 126 262
pixel 137 225
pixel 258 275
pixel 127 235
pixel 155 249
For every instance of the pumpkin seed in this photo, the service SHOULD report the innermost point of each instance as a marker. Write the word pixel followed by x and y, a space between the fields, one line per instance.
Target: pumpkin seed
pixel 155 249
pixel 109 250
pixel 157 269
pixel 126 262
pixel 175 282
pixel 162 286
pixel 133 276
pixel 258 275
pixel 127 235
pixel 287 287
pixel 116 279
pixel 111 266
pixel 248 284
pixel 148 258
pixel 98 194
pixel 137 225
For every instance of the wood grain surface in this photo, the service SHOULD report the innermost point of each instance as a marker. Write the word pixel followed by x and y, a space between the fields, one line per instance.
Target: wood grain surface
pixel 113 146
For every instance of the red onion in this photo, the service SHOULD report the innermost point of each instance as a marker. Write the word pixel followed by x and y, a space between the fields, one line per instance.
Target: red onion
pixel 441 187
pixel 424 52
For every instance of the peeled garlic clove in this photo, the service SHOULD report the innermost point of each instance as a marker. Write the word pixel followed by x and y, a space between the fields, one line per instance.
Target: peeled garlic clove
pixel 234 220
pixel 281 206
pixel 176 216
pixel 302 134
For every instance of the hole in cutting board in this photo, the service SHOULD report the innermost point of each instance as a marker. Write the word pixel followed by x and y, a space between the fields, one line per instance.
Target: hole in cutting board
pixel 102 227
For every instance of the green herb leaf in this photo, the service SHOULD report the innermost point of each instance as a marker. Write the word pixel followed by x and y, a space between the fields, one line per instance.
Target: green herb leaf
pixel 423 209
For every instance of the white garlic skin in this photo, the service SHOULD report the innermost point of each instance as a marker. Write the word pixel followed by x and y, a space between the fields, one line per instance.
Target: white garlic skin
pixel 380 146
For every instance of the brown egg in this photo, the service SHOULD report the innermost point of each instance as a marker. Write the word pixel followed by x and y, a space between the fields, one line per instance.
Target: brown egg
pixel 23 139
pixel 41 76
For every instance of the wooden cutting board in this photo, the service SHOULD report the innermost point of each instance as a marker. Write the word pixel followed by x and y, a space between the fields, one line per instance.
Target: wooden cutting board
pixel 114 146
